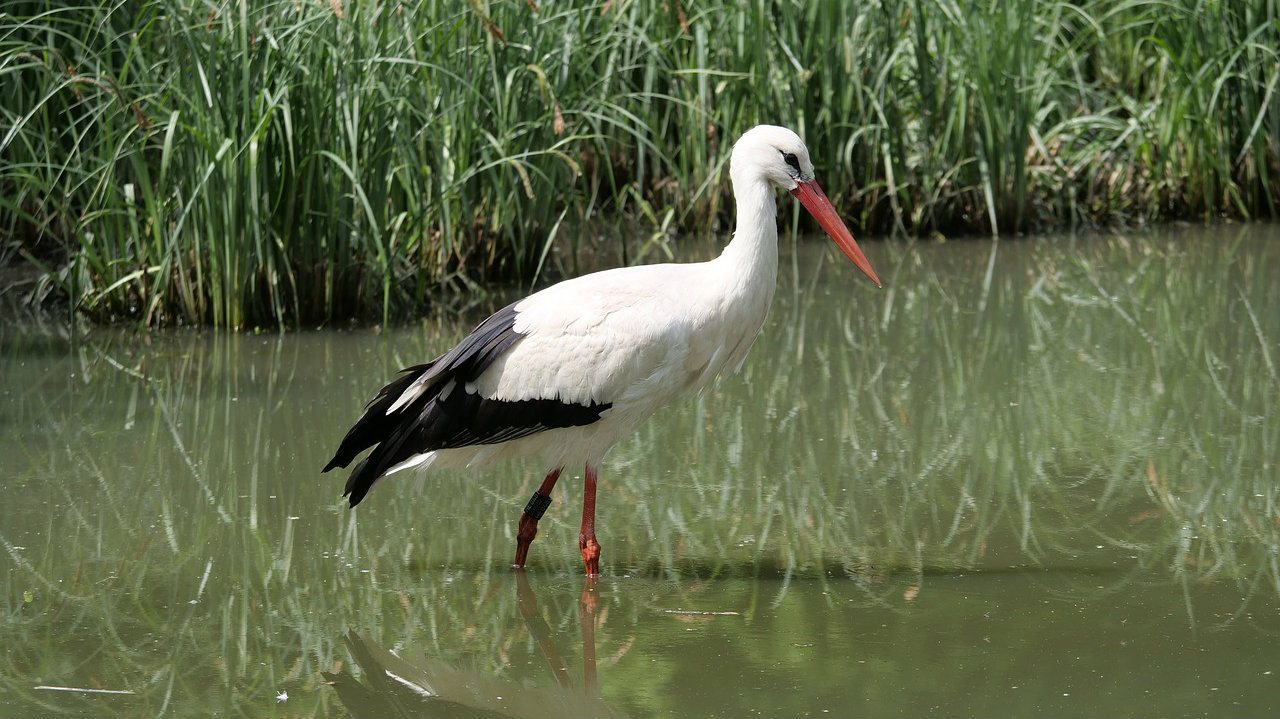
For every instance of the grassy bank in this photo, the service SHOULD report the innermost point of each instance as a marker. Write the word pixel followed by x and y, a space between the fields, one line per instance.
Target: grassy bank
pixel 296 162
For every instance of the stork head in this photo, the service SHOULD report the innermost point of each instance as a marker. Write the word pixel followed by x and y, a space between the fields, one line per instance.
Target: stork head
pixel 778 155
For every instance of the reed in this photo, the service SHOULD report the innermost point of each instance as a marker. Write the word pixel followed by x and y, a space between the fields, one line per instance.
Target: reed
pixel 293 162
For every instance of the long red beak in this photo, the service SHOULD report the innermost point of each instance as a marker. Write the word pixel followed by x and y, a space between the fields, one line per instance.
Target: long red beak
pixel 816 202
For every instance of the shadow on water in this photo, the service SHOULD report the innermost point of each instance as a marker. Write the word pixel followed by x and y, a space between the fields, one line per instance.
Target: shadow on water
pixel 1042 451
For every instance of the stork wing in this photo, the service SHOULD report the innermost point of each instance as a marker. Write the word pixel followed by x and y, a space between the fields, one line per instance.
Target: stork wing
pixel 435 406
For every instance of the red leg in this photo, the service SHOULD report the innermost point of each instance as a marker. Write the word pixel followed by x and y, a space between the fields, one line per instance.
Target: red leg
pixel 587 535
pixel 532 513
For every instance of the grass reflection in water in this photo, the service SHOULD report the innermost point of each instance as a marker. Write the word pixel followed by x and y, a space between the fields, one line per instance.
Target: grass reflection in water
pixel 1088 423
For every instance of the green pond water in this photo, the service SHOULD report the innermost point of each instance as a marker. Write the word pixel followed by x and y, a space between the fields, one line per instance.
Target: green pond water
pixel 1035 478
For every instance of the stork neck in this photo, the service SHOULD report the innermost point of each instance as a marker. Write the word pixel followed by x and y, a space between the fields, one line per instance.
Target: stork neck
pixel 755 240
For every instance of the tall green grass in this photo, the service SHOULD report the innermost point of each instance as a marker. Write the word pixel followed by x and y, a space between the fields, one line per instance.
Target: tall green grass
pixel 295 161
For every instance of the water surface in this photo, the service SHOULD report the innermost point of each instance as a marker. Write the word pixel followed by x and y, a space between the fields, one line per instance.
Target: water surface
pixel 1033 478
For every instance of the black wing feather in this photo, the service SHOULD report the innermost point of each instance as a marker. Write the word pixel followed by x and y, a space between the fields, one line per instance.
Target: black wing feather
pixel 460 419
pixel 375 424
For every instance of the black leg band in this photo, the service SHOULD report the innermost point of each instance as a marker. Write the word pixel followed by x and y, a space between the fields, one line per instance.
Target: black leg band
pixel 537 505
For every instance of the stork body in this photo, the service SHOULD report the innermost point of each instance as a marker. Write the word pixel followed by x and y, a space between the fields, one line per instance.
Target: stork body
pixel 567 372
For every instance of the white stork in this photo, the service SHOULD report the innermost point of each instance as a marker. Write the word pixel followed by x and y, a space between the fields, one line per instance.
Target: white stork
pixel 569 371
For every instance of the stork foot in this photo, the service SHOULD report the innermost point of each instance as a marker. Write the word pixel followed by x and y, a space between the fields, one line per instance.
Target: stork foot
pixel 524 537
pixel 590 555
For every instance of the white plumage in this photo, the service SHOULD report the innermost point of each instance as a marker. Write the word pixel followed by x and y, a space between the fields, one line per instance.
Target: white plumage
pixel 569 371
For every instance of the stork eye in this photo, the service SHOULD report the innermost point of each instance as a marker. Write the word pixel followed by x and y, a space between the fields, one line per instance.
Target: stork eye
pixel 792 160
